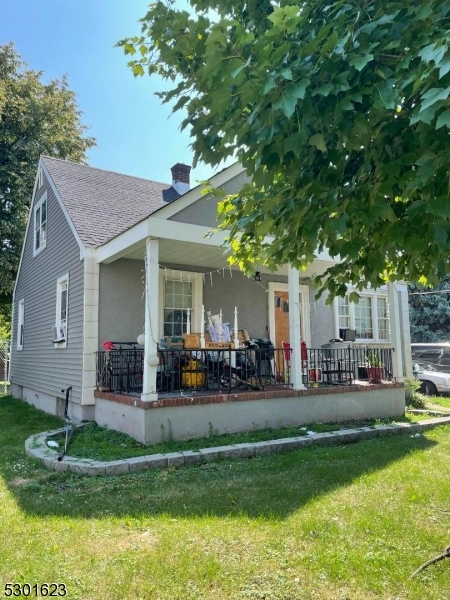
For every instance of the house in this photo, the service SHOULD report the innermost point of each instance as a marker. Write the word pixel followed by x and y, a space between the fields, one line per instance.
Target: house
pixel 107 256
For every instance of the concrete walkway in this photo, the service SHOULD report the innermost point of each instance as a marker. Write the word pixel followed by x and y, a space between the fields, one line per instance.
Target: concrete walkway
pixel 36 447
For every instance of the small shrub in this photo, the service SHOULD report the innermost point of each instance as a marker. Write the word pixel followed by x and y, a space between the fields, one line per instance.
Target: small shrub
pixel 412 396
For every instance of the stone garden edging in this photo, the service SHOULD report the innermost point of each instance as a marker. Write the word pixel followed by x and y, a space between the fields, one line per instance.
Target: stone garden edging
pixel 36 447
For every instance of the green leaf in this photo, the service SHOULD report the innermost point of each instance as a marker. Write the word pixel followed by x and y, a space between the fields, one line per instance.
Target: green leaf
pixel 443 119
pixel 293 144
pixel 440 235
pixel 330 42
pixel 359 62
pixel 236 72
pixel 318 141
pixel 138 70
pixel 298 88
pixel 286 74
pixel 444 66
pixel 433 96
pixel 369 27
pixel 286 104
pixel 181 102
pixel 345 104
pixel 425 116
pixel 269 85
pixel 440 207
pixel 433 52
pixel 263 227
pixel 323 90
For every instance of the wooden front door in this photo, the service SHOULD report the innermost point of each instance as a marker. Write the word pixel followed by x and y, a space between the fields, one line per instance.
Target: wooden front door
pixel 281 307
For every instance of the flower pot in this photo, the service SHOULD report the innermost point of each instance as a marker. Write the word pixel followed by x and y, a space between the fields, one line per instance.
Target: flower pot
pixel 375 374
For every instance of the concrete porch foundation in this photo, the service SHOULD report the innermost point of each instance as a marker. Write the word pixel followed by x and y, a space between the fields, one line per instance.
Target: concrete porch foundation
pixel 192 417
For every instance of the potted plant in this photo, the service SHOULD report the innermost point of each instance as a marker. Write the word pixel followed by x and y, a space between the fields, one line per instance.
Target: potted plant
pixel 375 367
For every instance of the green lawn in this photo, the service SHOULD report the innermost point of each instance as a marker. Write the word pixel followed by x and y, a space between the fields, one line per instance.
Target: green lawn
pixel 100 443
pixel 335 523
pixel 441 401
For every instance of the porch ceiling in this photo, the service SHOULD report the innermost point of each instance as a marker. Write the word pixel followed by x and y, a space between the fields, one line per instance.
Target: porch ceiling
pixel 207 257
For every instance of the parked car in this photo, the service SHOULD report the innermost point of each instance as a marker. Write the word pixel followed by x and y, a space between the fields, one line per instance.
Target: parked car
pixel 435 354
pixel 434 382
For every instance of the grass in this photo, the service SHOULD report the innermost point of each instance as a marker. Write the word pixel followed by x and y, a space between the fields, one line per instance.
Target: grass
pixel 443 401
pixel 100 443
pixel 336 523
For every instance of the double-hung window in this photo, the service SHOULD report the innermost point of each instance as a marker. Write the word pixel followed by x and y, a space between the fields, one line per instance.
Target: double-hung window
pixel 180 296
pixel 177 302
pixel 369 317
pixel 40 225
pixel 20 324
pixel 62 303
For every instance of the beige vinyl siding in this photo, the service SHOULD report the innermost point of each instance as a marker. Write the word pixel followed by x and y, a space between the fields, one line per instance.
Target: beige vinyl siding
pixel 40 366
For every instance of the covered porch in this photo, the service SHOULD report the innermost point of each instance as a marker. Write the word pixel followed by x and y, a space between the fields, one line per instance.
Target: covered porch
pixel 159 280
pixel 160 290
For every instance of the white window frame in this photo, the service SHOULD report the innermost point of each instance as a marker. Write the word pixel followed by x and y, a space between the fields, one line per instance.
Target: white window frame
pixel 197 296
pixel 60 283
pixel 40 178
pixel 20 323
pixel 42 242
pixel 373 295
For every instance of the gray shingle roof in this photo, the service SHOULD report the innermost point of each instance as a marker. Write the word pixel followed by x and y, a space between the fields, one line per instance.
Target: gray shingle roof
pixel 103 204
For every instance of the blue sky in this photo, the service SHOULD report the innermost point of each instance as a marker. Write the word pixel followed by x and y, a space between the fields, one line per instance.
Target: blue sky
pixel 135 133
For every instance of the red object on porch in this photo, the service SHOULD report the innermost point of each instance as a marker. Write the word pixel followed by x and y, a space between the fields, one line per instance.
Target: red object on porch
pixel 304 351
pixel 286 350
pixel 108 346
pixel 315 375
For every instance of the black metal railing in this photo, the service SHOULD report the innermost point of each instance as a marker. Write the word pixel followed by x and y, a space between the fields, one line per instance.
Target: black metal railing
pixel 229 370
pixel 223 369
pixel 121 369
pixel 338 365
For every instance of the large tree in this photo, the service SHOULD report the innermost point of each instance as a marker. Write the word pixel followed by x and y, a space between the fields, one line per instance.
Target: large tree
pixel 429 312
pixel 340 113
pixel 35 118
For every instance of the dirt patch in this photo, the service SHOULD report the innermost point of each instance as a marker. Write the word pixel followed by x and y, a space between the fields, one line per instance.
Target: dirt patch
pixel 20 481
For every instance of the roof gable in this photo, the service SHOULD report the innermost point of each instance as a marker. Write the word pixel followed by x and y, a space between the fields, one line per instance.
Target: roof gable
pixel 103 204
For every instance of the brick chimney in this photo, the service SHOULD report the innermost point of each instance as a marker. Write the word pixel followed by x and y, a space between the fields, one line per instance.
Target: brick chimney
pixel 180 178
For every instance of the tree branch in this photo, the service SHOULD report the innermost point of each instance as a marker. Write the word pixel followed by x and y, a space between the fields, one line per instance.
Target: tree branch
pixel 445 554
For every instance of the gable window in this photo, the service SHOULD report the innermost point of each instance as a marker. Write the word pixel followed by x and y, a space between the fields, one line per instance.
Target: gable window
pixel 40 225
pixel 20 324
pixel 40 179
pixel 369 317
pixel 62 297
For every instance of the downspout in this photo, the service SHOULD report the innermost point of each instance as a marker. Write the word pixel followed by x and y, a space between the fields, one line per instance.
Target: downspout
pixel 69 425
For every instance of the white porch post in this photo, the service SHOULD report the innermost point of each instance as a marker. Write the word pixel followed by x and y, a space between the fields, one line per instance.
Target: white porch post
pixel 151 320
pixel 396 341
pixel 294 328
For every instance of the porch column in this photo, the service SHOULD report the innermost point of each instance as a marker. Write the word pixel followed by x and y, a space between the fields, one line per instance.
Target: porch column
pixel 151 320
pixel 396 340
pixel 294 328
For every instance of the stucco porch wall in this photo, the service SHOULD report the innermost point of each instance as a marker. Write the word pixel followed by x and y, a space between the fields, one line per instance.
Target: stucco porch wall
pixel 190 418
pixel 121 301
